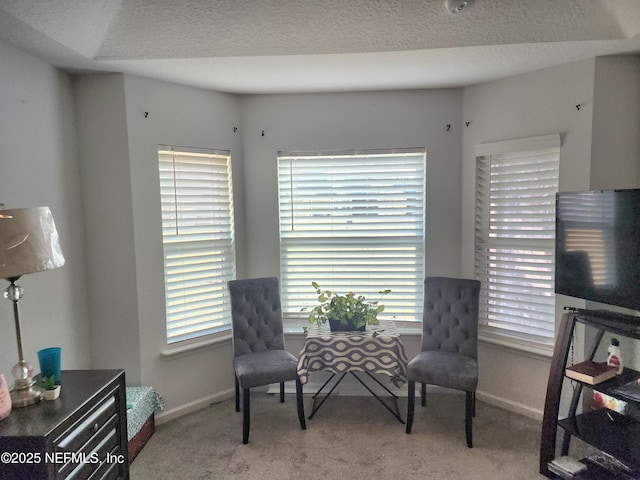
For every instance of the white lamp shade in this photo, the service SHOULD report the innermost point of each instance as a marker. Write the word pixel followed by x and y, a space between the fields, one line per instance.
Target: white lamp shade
pixel 29 242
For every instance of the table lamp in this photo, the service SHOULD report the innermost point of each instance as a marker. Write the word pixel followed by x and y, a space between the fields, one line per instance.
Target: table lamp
pixel 28 244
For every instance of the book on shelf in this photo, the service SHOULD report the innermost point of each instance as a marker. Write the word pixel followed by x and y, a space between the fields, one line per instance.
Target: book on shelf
pixel 591 372
pixel 630 390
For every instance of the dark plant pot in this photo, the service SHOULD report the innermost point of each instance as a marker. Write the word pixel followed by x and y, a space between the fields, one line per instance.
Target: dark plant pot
pixel 338 326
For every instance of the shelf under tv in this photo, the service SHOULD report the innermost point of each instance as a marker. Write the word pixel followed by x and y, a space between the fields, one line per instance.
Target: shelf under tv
pixel 619 323
pixel 613 433
pixel 610 432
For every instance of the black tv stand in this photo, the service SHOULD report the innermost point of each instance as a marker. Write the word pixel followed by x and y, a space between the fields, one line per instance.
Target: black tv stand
pixel 621 323
pixel 620 439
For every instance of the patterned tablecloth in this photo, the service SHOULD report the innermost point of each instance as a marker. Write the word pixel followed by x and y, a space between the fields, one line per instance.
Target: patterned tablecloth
pixel 377 350
pixel 141 403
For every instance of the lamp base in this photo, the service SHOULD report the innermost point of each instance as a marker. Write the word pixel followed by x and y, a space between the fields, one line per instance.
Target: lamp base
pixel 24 393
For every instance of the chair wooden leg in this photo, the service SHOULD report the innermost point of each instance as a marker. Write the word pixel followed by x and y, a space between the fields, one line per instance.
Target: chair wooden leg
pixel 281 392
pixel 300 402
pixel 423 394
pixel 237 395
pixel 411 404
pixel 468 417
pixel 474 404
pixel 245 415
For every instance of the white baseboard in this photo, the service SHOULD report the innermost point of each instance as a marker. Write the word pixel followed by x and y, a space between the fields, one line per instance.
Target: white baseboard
pixel 509 405
pixel 194 406
pixel 348 387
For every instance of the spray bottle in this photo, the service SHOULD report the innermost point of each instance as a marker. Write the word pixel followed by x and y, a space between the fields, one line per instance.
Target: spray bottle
pixel 615 357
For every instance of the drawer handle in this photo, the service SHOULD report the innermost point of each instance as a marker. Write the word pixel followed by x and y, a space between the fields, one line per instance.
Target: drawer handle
pixel 91 423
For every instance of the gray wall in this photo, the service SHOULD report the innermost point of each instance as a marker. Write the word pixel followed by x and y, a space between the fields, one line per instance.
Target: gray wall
pixel 106 172
pixel 97 169
pixel 193 117
pixel 599 150
pixel 354 121
pixel 615 142
pixel 123 214
pixel 39 166
pixel 534 104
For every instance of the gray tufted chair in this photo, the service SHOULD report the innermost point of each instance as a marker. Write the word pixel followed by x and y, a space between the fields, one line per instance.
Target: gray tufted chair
pixel 259 357
pixel 448 356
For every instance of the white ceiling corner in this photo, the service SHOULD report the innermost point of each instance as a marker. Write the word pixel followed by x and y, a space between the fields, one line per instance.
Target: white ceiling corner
pixel 274 46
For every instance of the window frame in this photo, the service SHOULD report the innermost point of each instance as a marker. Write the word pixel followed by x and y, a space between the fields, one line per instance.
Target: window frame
pixel 544 247
pixel 297 291
pixel 198 205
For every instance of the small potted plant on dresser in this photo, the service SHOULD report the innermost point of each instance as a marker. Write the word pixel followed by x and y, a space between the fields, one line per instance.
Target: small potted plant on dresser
pixel 345 313
pixel 51 391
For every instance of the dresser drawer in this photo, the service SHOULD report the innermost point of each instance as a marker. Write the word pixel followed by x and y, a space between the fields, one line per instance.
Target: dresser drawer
pixel 107 471
pixel 93 452
pixel 86 470
pixel 81 435
pixel 87 425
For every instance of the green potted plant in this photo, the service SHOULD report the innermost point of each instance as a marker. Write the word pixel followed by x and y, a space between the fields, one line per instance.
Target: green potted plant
pixel 345 312
pixel 51 391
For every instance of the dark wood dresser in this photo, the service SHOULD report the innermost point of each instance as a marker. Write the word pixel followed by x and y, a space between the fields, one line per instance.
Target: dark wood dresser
pixel 81 435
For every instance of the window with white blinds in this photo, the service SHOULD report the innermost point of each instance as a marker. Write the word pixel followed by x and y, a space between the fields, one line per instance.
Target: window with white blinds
pixel 198 240
pixel 353 222
pixel 515 238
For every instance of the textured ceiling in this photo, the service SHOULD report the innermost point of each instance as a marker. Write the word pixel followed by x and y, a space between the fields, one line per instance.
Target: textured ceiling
pixel 263 46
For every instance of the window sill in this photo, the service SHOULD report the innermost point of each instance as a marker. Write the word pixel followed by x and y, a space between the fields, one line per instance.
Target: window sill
pixel 191 348
pixel 294 326
pixel 516 345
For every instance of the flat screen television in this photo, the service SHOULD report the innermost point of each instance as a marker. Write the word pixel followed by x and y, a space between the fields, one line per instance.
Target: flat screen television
pixel 598 246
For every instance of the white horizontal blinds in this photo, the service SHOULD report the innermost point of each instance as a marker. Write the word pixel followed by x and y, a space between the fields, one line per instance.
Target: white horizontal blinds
pixel 588 219
pixel 198 239
pixel 515 241
pixel 353 222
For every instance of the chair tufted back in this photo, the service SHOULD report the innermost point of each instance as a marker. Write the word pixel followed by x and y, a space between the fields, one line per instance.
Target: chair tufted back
pixel 256 315
pixel 450 315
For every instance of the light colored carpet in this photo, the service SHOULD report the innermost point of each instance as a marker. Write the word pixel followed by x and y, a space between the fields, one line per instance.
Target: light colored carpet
pixel 349 438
